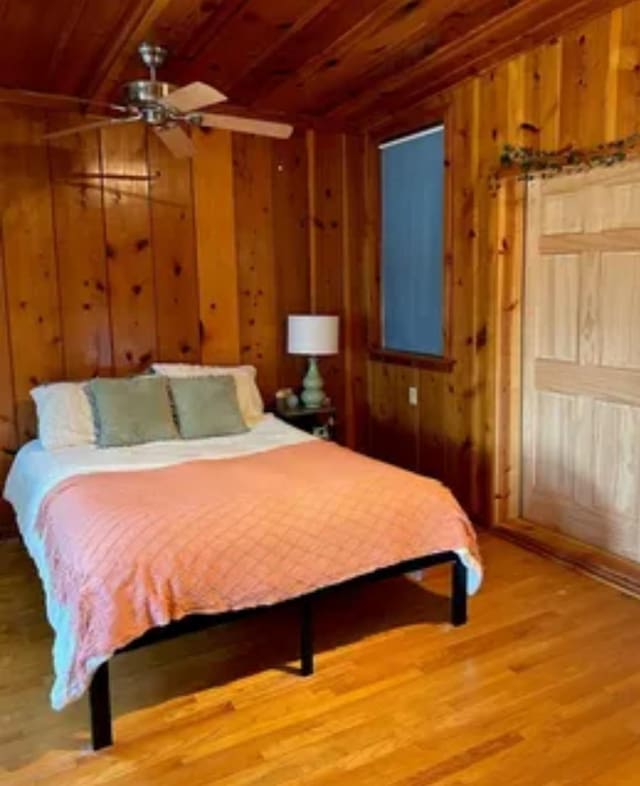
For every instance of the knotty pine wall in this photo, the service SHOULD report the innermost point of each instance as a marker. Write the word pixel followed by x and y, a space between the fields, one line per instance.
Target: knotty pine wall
pixel 103 271
pixel 582 88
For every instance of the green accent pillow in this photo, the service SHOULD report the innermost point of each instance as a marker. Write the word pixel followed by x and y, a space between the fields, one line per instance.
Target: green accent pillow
pixel 131 411
pixel 206 406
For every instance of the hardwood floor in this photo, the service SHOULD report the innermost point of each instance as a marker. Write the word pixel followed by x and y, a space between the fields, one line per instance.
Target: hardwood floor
pixel 542 688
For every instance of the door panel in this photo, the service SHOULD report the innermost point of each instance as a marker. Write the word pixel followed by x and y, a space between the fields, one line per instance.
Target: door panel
pixel 615 458
pixel 620 309
pixel 620 207
pixel 554 469
pixel 562 213
pixel 581 358
pixel 557 326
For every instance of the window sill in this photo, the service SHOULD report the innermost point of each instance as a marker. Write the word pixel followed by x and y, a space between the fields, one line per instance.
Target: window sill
pixel 432 362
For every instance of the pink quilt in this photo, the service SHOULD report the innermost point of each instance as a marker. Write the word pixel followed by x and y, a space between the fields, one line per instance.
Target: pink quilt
pixel 127 551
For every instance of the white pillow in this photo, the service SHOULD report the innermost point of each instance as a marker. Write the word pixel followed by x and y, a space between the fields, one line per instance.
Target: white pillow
pixel 249 398
pixel 64 415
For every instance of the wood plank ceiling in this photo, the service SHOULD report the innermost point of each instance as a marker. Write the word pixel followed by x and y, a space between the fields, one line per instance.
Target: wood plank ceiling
pixel 349 61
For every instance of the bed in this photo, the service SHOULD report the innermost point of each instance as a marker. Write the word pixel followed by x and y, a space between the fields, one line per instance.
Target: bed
pixel 134 544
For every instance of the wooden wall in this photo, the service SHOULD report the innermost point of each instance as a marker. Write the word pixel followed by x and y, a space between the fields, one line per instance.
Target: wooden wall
pixel 582 88
pixel 114 254
pixel 102 275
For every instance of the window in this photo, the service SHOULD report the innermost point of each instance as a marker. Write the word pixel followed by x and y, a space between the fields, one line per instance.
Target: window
pixel 412 186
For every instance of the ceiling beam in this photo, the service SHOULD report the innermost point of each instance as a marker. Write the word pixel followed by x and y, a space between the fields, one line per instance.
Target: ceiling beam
pixel 106 80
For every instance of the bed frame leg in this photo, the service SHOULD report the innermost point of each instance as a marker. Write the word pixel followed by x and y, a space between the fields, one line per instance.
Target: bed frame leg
pixel 306 637
pixel 458 593
pixel 100 709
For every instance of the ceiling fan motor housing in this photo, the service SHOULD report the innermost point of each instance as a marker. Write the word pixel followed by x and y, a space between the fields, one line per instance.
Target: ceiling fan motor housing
pixel 146 95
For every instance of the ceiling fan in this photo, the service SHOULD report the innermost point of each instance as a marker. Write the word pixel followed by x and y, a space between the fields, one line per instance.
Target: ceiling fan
pixel 169 110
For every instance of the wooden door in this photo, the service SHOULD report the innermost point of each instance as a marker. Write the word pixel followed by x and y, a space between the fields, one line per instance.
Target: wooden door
pixel 581 359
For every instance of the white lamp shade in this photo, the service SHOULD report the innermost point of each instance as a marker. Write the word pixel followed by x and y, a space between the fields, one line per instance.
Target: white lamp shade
pixel 313 335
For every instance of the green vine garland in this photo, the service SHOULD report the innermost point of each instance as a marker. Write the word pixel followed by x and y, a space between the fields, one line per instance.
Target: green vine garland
pixel 527 163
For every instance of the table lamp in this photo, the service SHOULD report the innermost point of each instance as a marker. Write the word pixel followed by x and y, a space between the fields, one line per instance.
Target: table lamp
pixel 312 335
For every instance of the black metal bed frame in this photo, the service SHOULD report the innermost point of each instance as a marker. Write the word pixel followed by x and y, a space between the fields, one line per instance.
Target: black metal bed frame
pixel 99 694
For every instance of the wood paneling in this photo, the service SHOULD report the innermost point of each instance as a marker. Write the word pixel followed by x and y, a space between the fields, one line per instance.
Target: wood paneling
pixel 355 293
pixel 290 200
pixel 216 239
pixel 354 58
pixel 306 43
pixel 78 212
pixel 31 277
pixel 116 47
pixel 521 27
pixel 626 113
pixel 8 436
pixel 586 58
pixel 338 274
pixel 127 220
pixel 327 238
pixel 173 247
pixel 580 87
pixel 47 29
pixel 347 61
pixel 256 258
pixel 115 254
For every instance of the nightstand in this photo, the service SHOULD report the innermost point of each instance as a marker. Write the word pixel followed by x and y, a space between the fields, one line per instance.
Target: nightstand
pixel 319 421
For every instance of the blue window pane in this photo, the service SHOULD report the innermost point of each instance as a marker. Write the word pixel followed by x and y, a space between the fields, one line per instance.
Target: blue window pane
pixel 412 243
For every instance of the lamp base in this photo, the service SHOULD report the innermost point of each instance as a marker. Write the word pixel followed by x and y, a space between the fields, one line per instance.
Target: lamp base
pixel 313 393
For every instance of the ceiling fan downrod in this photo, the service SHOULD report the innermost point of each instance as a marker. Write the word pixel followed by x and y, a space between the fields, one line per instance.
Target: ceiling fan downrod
pixel 153 56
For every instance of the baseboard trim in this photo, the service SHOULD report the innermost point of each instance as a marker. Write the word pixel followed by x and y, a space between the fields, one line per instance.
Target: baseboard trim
pixel 620 573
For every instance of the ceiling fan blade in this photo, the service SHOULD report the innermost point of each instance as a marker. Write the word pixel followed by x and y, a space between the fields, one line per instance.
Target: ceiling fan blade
pixel 177 140
pixel 246 125
pixel 104 123
pixel 193 96
pixel 50 99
